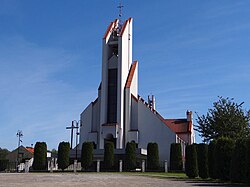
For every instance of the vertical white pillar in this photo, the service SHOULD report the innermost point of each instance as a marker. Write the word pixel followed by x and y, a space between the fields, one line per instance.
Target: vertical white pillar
pixel 120 165
pixel 98 166
pixel 166 166
pixel 143 166
pixel 75 165
pixel 26 168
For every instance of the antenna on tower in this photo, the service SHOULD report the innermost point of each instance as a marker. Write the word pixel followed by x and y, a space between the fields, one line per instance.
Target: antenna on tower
pixel 120 8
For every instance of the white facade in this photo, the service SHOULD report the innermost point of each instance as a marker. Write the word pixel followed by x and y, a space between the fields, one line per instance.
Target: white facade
pixel 119 114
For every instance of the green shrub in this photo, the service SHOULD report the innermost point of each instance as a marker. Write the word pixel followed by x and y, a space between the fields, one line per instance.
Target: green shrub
pixel 3 164
pixel 130 159
pixel 63 155
pixel 223 149
pixel 247 179
pixel 87 155
pixel 211 160
pixel 238 168
pixel 152 156
pixel 191 166
pixel 108 155
pixel 202 158
pixel 175 157
pixel 40 156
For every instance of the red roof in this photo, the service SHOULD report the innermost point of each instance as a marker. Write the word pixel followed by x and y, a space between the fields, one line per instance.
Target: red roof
pixel 131 74
pixel 30 149
pixel 179 125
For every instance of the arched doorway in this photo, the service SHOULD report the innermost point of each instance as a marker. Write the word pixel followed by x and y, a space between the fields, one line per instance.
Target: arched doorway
pixel 110 138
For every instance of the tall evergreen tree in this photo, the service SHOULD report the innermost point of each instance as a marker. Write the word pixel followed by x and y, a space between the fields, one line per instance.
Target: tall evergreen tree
pixel 202 158
pixel 130 159
pixel 176 157
pixel 109 155
pixel 87 155
pixel 152 156
pixel 223 149
pixel 191 165
pixel 40 156
pixel 63 155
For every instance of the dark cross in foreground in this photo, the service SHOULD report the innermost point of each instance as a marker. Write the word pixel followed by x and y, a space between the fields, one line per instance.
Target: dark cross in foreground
pixel 120 9
pixel 72 130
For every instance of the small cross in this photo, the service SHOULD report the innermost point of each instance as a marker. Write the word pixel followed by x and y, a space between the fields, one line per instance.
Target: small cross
pixel 120 8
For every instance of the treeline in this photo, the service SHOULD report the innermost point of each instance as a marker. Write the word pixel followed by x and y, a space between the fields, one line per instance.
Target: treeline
pixel 223 159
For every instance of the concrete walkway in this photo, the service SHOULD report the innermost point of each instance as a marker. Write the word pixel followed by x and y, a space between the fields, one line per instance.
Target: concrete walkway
pixel 91 179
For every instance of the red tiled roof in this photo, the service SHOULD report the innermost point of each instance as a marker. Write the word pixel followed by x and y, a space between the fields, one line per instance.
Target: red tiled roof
pixel 131 74
pixel 179 125
pixel 30 149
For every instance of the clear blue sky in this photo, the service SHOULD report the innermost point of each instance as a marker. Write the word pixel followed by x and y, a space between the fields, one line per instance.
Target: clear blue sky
pixel 189 53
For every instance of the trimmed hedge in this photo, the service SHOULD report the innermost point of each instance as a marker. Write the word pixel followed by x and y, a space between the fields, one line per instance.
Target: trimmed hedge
pixel 247 180
pixel 211 160
pixel 3 164
pixel 130 157
pixel 202 158
pixel 63 155
pixel 191 165
pixel 109 155
pixel 176 157
pixel 87 155
pixel 152 156
pixel 224 150
pixel 238 168
pixel 40 156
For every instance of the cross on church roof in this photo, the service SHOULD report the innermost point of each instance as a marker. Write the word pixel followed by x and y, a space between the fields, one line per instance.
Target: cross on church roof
pixel 120 8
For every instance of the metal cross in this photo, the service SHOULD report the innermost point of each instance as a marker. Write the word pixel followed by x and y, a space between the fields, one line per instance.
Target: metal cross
pixel 72 129
pixel 120 9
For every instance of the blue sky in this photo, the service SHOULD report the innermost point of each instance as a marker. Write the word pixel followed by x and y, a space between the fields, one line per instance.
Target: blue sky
pixel 189 53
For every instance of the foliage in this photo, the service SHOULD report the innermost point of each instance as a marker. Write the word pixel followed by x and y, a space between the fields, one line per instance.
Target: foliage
pixel 223 149
pixel 225 119
pixel 130 159
pixel 248 161
pixel 175 157
pixel 108 155
pixel 40 156
pixel 238 168
pixel 202 158
pixel 191 165
pixel 3 153
pixel 152 156
pixel 87 154
pixel 3 164
pixel 211 159
pixel 63 155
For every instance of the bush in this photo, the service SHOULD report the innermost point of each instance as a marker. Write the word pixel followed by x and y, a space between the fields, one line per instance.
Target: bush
pixel 3 164
pixel 130 159
pixel 152 156
pixel 109 155
pixel 211 160
pixel 87 155
pixel 238 168
pixel 202 159
pixel 175 157
pixel 63 155
pixel 223 149
pixel 247 179
pixel 191 166
pixel 40 156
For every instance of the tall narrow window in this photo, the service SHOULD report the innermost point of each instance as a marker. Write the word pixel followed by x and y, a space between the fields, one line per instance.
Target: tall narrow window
pixel 112 96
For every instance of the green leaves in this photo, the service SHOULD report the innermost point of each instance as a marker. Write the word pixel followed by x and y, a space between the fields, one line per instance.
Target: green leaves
pixel 225 119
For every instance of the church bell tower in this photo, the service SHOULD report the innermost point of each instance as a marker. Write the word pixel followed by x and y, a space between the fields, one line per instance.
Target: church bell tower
pixel 116 62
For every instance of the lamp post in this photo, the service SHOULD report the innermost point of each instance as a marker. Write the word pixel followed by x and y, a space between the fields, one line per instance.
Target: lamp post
pixel 76 126
pixel 19 134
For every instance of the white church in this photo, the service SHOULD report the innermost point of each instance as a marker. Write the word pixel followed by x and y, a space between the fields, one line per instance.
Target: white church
pixel 119 114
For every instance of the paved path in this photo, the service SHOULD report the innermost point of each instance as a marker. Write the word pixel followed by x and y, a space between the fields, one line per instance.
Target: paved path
pixel 90 179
